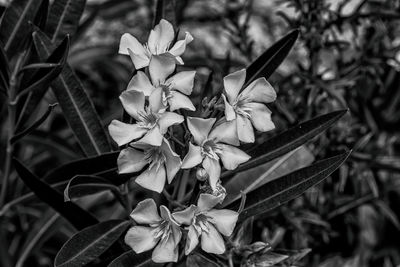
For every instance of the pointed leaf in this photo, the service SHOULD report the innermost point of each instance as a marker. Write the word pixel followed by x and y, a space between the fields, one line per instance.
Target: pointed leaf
pixel 90 243
pixel 165 9
pixel 64 18
pixel 77 216
pixel 85 185
pixel 287 141
pixel 131 259
pixel 252 179
pixel 14 28
pixel 44 76
pixel 266 64
pixel 76 105
pixel 4 69
pixel 281 190
pixel 41 16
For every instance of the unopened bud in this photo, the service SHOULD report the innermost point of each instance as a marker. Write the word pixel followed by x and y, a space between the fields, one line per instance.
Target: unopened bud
pixel 201 174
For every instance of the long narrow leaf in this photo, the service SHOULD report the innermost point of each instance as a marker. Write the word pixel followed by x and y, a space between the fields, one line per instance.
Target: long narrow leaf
pixel 130 258
pixel 267 63
pixel 76 105
pixel 14 28
pixel 90 243
pixel 281 190
pixel 4 69
pixel 77 216
pixel 64 18
pixel 287 141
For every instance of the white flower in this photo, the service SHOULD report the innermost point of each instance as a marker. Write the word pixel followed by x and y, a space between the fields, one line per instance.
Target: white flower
pixel 207 224
pixel 163 232
pixel 171 92
pixel 159 43
pixel 210 147
pixel 150 124
pixel 248 107
pixel 163 163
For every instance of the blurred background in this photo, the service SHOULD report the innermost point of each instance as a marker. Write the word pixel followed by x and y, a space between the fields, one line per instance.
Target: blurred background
pixel 347 56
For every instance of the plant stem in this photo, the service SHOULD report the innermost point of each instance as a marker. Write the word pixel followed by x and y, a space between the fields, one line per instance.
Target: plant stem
pixel 11 128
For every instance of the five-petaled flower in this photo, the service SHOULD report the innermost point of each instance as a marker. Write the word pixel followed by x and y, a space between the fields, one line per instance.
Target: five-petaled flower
pixel 213 144
pixel 163 163
pixel 207 223
pixel 163 232
pixel 248 107
pixel 151 122
pixel 159 43
pixel 171 92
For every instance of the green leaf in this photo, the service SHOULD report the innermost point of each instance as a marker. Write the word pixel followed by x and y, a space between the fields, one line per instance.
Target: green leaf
pixel 64 18
pixel 131 259
pixel 287 141
pixel 44 76
pixel 267 63
pixel 41 16
pixel 76 105
pixel 86 166
pixel 14 28
pixel 288 187
pixel 84 185
pixel 90 243
pixel 252 179
pixel 34 125
pixel 77 216
pixel 165 9
pixel 4 70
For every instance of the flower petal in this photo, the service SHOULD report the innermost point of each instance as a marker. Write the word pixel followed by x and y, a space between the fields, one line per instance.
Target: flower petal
pixel 193 157
pixel 168 119
pixel 260 116
pixel 161 37
pixel 152 179
pixel 165 251
pixel 185 216
pixel 178 101
pixel 213 170
pixel 212 242
pixel 146 212
pixel 207 202
pixel 160 68
pixel 139 60
pixel 152 137
pixel 156 100
pixel 183 81
pixel 140 83
pixel 179 47
pixel 230 113
pixel 244 129
pixel 172 160
pixel 233 83
pixel 224 220
pixel 225 132
pixel 123 133
pixel 200 128
pixel 232 157
pixel 141 238
pixel 192 240
pixel 130 42
pixel 130 160
pixel 259 91
pixel 133 102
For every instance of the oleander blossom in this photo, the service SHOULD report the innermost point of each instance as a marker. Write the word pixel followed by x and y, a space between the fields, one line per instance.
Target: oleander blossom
pixel 248 107
pixel 151 122
pixel 211 145
pixel 159 43
pixel 207 224
pixel 163 232
pixel 172 92
pixel 163 164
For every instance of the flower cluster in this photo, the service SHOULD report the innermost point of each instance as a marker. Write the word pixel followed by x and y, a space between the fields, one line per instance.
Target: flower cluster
pixel 154 99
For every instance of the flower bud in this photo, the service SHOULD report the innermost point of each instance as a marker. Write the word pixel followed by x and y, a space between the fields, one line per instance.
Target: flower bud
pixel 201 174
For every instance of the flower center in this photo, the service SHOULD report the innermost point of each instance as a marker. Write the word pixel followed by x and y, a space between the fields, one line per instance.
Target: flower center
pixel 240 108
pixel 201 223
pixel 147 119
pixel 210 149
pixel 166 93
pixel 155 157
pixel 163 230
